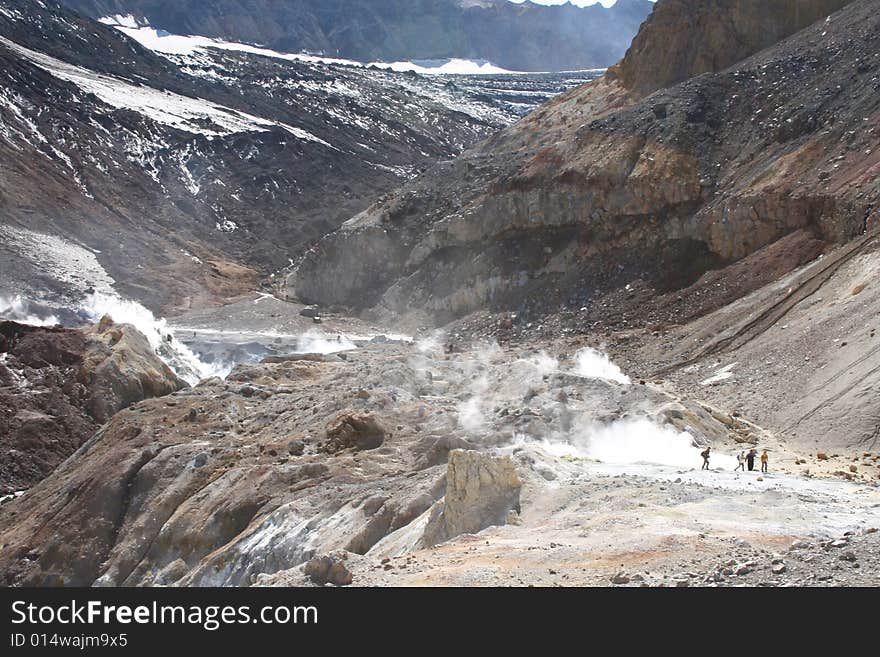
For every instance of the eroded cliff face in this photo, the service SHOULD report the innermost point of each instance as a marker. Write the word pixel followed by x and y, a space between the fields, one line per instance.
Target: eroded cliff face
pixel 682 39
pixel 57 386
pixel 601 193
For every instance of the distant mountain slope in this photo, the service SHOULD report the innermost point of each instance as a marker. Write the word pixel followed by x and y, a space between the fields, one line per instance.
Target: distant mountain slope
pixel 185 178
pixel 522 37
pixel 608 206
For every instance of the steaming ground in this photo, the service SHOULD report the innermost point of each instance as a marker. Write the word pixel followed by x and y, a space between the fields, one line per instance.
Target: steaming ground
pixel 613 489
pixel 610 464
pixel 612 483
pixel 598 524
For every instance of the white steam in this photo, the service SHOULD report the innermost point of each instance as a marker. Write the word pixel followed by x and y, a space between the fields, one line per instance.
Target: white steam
pixel 473 411
pixel 177 355
pixel 18 310
pixel 317 342
pixel 569 423
pixel 641 440
pixel 593 364
pixel 430 343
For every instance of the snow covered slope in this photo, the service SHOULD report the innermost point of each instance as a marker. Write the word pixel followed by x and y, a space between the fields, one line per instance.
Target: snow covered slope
pixel 194 168
pixel 527 36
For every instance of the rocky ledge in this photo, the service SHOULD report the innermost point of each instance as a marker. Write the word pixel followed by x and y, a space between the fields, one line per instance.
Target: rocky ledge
pixel 58 385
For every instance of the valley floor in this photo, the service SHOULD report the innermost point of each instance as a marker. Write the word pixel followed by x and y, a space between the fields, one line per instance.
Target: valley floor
pixel 238 481
pixel 601 525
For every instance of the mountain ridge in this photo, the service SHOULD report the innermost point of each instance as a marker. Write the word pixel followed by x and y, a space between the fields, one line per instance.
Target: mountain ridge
pixel 189 177
pixel 520 37
pixel 556 213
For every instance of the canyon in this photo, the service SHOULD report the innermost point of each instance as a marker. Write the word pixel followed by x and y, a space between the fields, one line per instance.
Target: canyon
pixel 504 371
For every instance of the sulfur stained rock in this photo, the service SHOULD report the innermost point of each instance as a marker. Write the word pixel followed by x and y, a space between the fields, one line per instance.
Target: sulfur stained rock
pixel 481 490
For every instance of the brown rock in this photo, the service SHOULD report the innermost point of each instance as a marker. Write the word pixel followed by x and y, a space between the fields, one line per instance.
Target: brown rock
pixel 359 432
pixel 58 385
pixel 328 569
pixel 685 38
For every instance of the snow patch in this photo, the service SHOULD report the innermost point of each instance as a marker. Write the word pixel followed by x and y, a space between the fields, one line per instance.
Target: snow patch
pixel 226 226
pixel 720 375
pixel 445 67
pixel 73 265
pixel 194 115
pixel 175 44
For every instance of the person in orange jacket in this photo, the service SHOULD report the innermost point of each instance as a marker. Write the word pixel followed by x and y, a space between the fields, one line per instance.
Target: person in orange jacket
pixel 764 459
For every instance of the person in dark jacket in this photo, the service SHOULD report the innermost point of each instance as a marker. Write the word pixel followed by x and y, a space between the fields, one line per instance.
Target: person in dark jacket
pixel 750 458
pixel 705 455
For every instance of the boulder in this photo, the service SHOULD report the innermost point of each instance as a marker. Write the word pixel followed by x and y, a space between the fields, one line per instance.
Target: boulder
pixel 481 490
pixel 328 569
pixel 120 368
pixel 359 432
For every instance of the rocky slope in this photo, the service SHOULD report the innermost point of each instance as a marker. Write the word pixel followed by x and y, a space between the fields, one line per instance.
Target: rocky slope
pixel 684 39
pixel 603 199
pixel 186 177
pixel 718 238
pixel 525 37
pixel 398 454
pixel 57 386
pixel 226 481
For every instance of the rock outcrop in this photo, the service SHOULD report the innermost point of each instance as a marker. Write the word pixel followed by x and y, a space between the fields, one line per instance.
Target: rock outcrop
pixel 481 490
pixel 120 368
pixel 613 207
pixel 57 386
pixel 682 39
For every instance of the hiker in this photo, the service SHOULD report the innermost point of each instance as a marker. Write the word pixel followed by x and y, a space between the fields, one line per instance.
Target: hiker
pixel 764 459
pixel 750 458
pixel 705 455
pixel 740 462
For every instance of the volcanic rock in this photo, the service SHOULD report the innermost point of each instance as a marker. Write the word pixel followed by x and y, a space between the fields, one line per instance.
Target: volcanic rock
pixel 480 491
pixel 57 386
pixel 328 569
pixel 361 432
